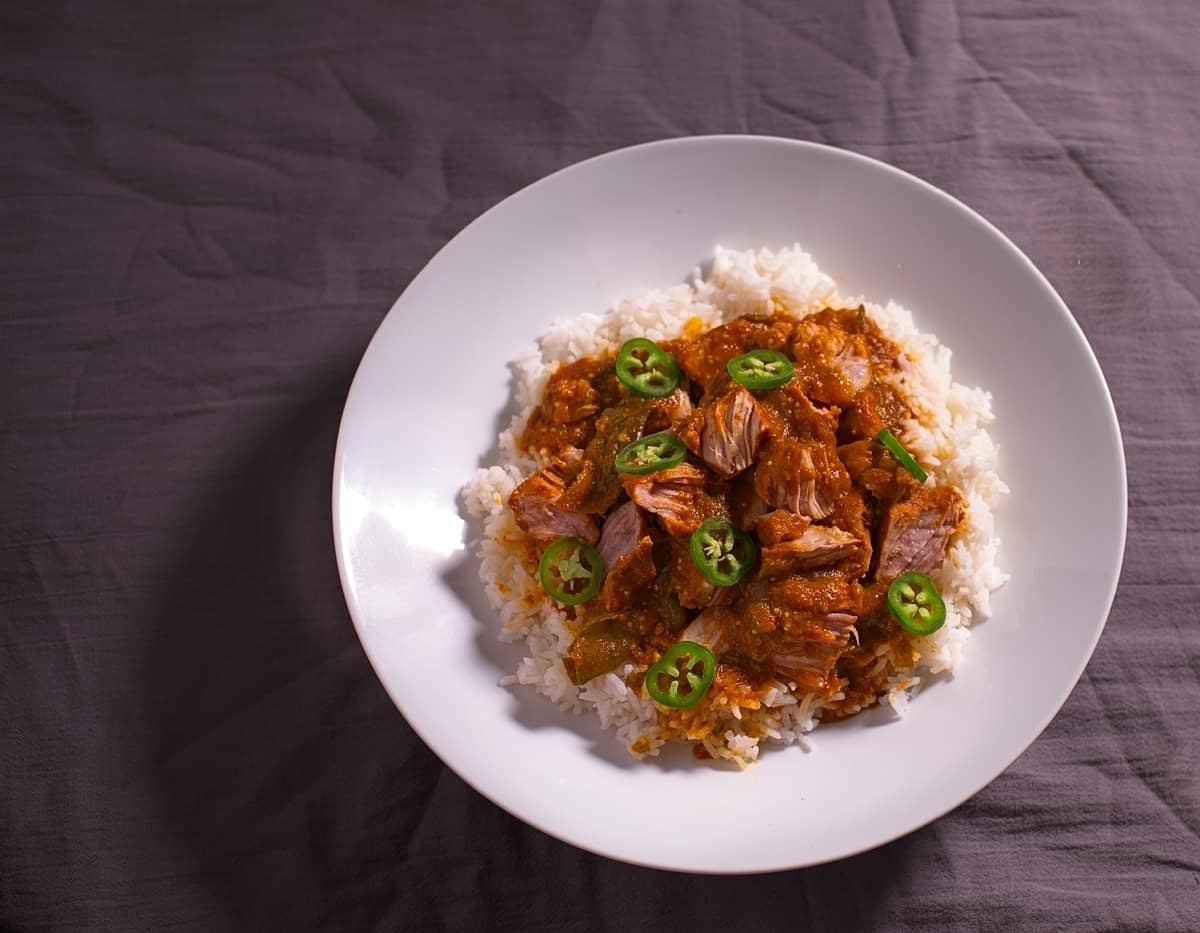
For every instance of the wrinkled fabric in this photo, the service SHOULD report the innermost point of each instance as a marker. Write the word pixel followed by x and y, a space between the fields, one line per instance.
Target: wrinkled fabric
pixel 205 212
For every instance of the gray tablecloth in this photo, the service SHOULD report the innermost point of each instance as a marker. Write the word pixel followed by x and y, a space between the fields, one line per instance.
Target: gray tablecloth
pixel 205 211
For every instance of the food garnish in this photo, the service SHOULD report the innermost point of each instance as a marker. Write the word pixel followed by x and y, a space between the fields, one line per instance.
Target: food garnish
pixel 647 369
pixel 761 369
pixel 916 603
pixel 903 457
pixel 571 571
pixel 682 676
pixel 650 453
pixel 723 553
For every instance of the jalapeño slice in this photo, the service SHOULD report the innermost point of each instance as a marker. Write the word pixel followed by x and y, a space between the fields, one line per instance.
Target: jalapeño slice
pixel 916 603
pixel 723 553
pixel 650 453
pixel 903 457
pixel 682 675
pixel 571 571
pixel 647 369
pixel 761 369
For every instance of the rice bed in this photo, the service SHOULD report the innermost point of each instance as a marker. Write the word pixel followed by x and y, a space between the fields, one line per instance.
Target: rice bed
pixel 948 435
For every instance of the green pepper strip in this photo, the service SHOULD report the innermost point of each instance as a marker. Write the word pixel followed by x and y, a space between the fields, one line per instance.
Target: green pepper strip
pixel 650 453
pixel 723 553
pixel 888 439
pixel 916 603
pixel 571 571
pixel 682 675
pixel 761 369
pixel 646 368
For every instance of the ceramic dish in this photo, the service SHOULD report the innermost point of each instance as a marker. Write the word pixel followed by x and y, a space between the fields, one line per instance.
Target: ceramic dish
pixel 432 392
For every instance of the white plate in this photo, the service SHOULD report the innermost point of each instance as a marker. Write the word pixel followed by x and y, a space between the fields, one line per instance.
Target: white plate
pixel 432 393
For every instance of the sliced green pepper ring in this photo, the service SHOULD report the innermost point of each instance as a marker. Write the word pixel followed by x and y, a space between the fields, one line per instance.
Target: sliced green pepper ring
pixel 916 603
pixel 650 453
pixel 647 369
pixel 761 369
pixel 571 571
pixel 903 457
pixel 682 676
pixel 723 553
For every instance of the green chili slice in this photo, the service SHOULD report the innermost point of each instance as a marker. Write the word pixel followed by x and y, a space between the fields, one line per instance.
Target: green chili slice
pixel 650 453
pixel 682 675
pixel 896 449
pixel 916 603
pixel 646 368
pixel 723 553
pixel 571 571
pixel 761 369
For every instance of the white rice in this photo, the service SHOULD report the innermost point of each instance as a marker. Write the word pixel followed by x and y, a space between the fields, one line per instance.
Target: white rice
pixel 948 436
